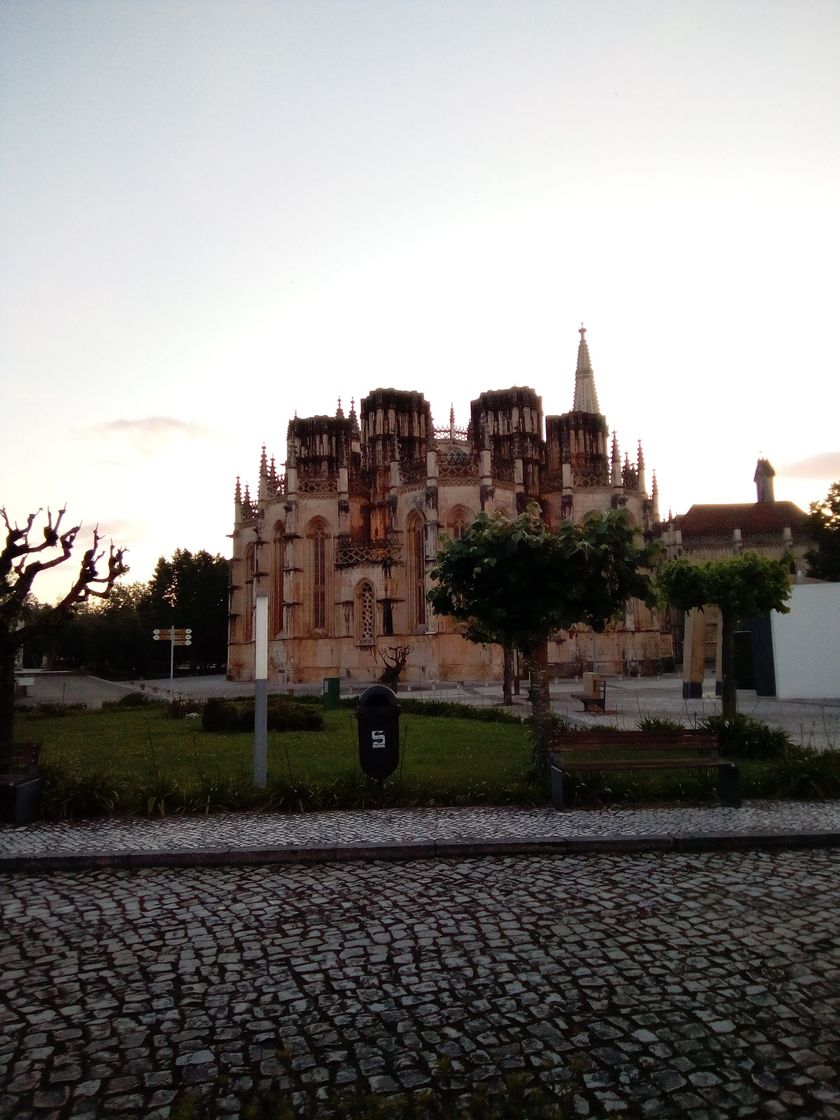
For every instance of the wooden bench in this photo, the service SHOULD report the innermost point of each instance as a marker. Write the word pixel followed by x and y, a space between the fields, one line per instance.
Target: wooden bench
pixel 575 752
pixel 594 697
pixel 20 783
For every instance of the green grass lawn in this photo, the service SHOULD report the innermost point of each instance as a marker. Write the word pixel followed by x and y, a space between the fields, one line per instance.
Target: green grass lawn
pixel 135 757
pixel 143 761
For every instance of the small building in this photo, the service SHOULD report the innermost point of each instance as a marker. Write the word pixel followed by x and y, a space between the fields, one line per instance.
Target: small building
pixel 343 540
pixel 713 532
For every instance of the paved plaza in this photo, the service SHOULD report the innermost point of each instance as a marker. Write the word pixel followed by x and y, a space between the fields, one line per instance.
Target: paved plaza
pixel 660 962
pixel 663 985
pixel 809 722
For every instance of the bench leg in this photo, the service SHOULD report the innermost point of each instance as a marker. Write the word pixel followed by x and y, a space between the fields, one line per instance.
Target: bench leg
pixel 730 787
pixel 26 802
pixel 558 797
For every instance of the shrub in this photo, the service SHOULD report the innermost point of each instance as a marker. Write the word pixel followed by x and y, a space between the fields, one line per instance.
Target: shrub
pixel 285 715
pixel 742 737
pixel 129 700
pixel 69 796
pixel 50 710
pixel 448 708
pixel 219 714
pixel 281 715
pixel 805 772
pixel 659 723
pixel 181 708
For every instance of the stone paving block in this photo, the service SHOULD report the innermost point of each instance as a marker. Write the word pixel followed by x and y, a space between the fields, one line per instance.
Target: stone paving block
pixel 622 976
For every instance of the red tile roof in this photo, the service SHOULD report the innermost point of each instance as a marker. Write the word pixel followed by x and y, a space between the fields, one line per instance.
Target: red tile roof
pixel 753 517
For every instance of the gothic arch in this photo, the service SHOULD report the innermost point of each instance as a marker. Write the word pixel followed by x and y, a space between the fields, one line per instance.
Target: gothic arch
pixel 415 562
pixel 248 590
pixel 278 544
pixel 318 574
pixel 457 521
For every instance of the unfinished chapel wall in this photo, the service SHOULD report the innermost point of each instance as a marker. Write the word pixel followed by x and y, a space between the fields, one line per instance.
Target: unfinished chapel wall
pixel 342 540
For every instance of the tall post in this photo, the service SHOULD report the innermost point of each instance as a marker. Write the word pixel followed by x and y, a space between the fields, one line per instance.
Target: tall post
pixel 260 687
pixel 171 664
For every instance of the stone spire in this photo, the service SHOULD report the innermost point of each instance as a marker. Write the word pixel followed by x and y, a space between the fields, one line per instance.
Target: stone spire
pixel 586 398
pixel 615 463
pixel 263 487
pixel 640 468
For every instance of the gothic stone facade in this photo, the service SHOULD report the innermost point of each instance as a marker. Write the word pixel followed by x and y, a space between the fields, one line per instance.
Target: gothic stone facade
pixel 343 542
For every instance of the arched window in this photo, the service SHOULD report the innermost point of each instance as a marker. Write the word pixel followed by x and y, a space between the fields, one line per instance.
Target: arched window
pixel 248 612
pixel 277 555
pixel 416 571
pixel 365 614
pixel 318 574
pixel 457 522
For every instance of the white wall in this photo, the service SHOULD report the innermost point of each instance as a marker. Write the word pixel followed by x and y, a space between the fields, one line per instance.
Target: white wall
pixel 806 643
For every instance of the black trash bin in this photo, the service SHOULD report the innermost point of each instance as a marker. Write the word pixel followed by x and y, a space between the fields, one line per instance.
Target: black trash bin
pixel 379 731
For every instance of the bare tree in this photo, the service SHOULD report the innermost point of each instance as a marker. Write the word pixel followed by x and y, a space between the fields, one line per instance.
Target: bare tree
pixel 22 559
pixel 394 661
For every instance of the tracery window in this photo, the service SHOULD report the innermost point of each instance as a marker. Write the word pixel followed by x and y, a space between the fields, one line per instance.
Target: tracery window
pixel 416 571
pixel 318 574
pixel 278 546
pixel 457 523
pixel 248 594
pixel 365 614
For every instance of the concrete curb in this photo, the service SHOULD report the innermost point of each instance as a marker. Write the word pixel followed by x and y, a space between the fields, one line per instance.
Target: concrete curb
pixel 291 855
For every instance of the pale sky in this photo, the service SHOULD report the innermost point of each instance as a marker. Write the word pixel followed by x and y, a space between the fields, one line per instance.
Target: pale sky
pixel 217 213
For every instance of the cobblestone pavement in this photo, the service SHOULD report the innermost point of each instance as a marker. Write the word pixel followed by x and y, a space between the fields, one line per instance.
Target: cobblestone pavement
pixel 663 985
pixel 246 837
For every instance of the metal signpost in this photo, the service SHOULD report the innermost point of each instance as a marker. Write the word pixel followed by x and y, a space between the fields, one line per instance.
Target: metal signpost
pixel 260 688
pixel 175 637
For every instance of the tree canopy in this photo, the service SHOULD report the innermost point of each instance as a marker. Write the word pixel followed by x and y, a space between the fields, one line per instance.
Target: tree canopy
pixel 745 586
pixel 517 582
pixel 824 526
pixel 191 590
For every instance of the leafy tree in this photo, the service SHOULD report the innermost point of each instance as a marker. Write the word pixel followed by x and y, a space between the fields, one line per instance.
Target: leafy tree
pixel 517 582
pixel 22 559
pixel 824 525
pixel 112 638
pixel 191 590
pixel 744 586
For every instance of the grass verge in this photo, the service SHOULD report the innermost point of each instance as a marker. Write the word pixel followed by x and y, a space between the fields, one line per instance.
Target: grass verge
pixel 141 761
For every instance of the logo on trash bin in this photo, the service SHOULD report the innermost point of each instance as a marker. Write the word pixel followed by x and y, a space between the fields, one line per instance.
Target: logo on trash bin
pixel 377 740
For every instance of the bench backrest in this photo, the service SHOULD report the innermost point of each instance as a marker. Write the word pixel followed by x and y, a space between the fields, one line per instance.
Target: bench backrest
pixel 20 758
pixel 610 739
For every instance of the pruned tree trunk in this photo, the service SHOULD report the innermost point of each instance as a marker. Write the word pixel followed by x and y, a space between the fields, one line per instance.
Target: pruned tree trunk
pixel 7 692
pixel 21 560
pixel 507 683
pixel 541 707
pixel 729 695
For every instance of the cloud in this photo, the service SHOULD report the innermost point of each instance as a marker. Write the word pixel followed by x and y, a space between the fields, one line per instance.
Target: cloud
pixel 150 434
pixel 824 465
